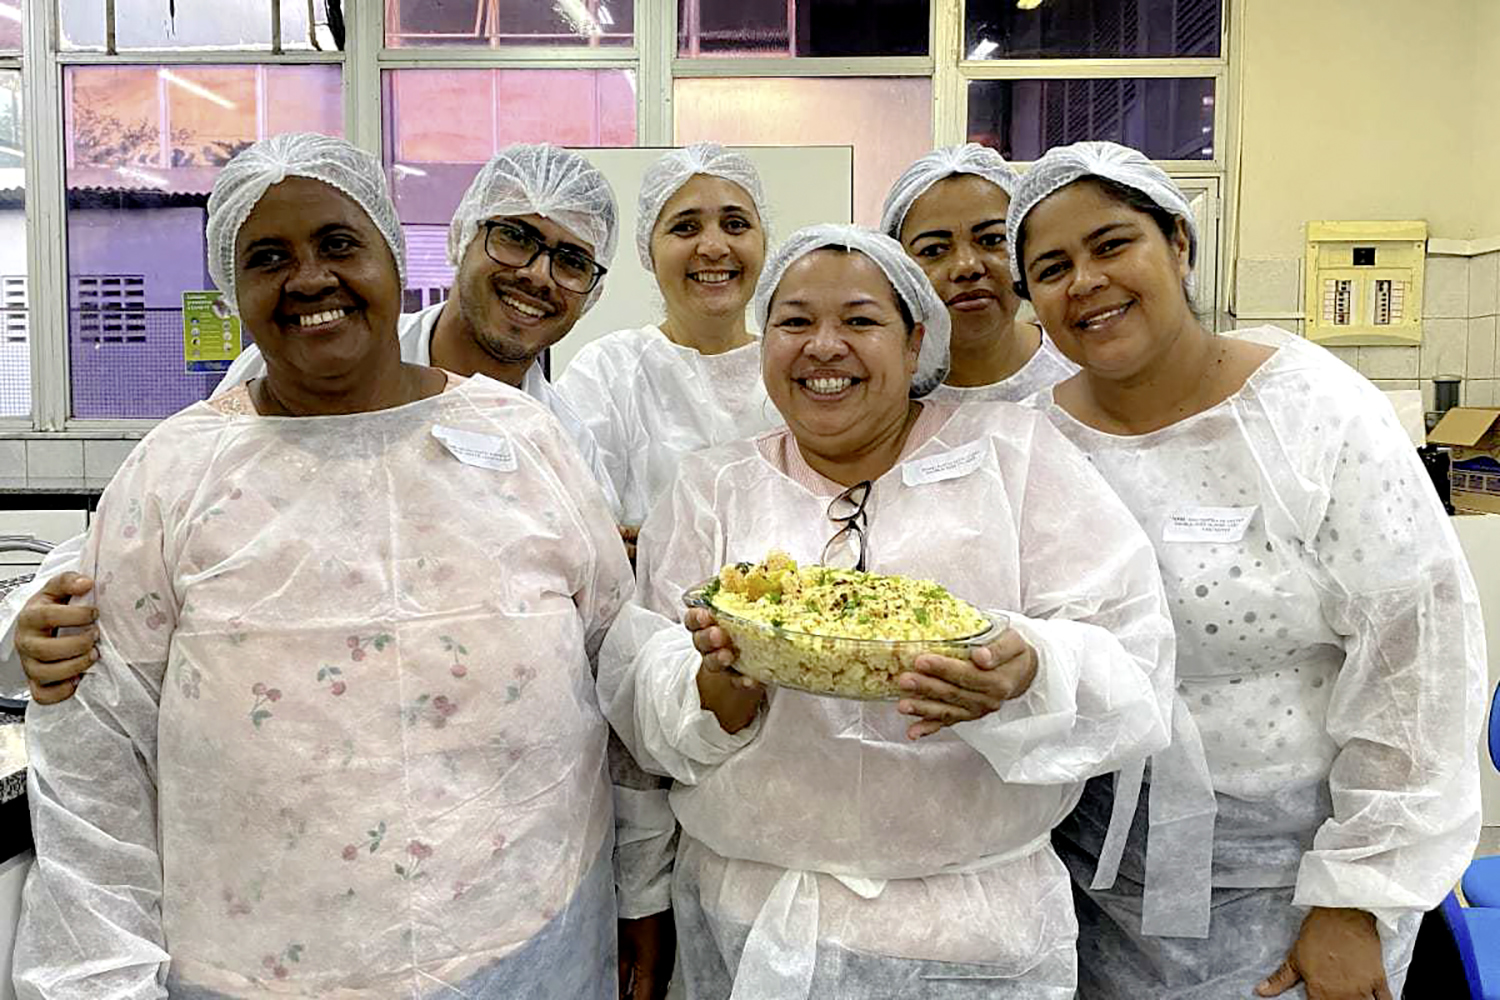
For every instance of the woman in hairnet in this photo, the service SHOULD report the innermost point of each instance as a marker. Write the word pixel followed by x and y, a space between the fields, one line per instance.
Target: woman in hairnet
pixel 1330 653
pixel 319 754
pixel 654 394
pixel 948 212
pixel 843 848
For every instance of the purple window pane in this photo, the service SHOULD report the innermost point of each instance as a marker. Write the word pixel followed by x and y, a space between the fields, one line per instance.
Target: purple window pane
pixel 498 23
pixel 1165 119
pixel 802 27
pixel 1093 29
pixel 144 144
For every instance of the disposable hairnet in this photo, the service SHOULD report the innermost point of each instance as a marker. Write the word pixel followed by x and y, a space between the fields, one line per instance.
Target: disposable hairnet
pixel 904 275
pixel 666 176
pixel 942 163
pixel 546 180
pixel 336 162
pixel 1063 165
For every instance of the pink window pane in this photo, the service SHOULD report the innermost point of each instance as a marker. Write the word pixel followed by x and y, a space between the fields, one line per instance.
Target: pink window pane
pixel 145 144
pixel 498 23
pixel 212 110
pixel 464 116
pixel 114 118
pixel 300 99
pixel 10 25
pixel 888 121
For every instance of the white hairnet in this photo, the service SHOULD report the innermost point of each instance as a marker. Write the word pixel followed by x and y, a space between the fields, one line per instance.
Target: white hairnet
pixel 546 180
pixel 666 176
pixel 244 180
pixel 942 163
pixel 904 275
pixel 1062 165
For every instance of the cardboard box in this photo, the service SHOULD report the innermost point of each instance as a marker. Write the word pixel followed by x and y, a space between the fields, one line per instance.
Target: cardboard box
pixel 1473 435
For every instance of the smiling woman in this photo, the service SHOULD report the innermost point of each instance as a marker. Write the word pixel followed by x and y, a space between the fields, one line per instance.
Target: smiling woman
pixel 1329 643
pixel 653 394
pixel 948 210
pixel 833 848
pixel 290 574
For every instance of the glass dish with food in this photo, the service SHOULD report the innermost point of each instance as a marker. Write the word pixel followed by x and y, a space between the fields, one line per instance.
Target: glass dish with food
pixel 837 632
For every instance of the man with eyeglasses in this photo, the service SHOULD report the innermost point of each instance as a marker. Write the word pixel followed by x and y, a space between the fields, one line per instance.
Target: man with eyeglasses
pixel 530 243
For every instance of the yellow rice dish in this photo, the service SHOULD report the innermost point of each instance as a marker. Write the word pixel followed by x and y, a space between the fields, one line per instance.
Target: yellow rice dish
pixel 845 603
pixel 834 631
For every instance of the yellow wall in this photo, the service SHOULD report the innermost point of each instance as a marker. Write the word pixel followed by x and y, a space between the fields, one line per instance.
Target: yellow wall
pixel 1486 120
pixel 1363 109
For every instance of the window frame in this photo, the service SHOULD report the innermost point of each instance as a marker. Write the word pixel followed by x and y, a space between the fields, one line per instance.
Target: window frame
pixel 654 59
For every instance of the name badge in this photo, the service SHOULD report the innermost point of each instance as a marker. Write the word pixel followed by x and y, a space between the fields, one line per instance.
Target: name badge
pixel 483 450
pixel 953 464
pixel 1208 524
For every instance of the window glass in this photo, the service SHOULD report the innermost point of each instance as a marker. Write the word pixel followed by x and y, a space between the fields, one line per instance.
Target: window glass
pixel 10 25
pixel 802 27
pixel 888 121
pixel 1092 29
pixel 15 345
pixel 1163 118
pixel 509 22
pixel 231 24
pixel 436 143
pixel 143 146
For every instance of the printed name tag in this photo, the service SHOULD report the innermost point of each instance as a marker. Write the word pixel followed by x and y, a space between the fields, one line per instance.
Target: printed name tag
pixel 483 450
pixel 1208 524
pixel 953 464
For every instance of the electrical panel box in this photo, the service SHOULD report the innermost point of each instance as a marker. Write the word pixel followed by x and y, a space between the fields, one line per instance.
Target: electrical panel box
pixel 1364 282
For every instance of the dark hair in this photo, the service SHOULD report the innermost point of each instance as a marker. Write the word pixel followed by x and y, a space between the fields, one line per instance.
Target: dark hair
pixel 901 306
pixel 1125 195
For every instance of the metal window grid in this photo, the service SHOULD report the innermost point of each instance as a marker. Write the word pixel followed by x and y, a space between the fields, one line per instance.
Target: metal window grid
pixel 653 57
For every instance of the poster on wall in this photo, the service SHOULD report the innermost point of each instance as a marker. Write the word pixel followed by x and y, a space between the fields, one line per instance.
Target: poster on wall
pixel 210 341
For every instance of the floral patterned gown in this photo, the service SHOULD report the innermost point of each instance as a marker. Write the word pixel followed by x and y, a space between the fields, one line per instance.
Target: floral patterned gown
pixel 342 739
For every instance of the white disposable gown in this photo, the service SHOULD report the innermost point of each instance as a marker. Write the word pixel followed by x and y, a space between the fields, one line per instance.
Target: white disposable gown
pixel 648 402
pixel 1331 653
pixel 1043 369
pixel 823 853
pixel 343 737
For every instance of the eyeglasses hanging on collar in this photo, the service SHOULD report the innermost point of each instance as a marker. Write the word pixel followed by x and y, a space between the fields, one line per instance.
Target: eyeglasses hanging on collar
pixel 848 510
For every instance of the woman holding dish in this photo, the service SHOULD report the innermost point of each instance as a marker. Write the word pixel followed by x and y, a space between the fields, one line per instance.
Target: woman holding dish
pixel 800 873
pixel 1330 653
pixel 948 212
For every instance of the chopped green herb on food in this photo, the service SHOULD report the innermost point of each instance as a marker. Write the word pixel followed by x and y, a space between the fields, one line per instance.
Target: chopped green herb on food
pixel 843 603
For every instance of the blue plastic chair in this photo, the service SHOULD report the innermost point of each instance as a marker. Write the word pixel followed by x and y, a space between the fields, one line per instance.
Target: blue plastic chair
pixel 1482 964
pixel 1481 881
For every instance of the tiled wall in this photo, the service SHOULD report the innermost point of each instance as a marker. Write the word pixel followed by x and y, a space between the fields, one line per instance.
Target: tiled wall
pixel 1459 308
pixel 56 463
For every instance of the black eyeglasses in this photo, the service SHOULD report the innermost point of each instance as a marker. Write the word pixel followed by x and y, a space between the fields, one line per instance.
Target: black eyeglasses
pixel 848 509
pixel 511 245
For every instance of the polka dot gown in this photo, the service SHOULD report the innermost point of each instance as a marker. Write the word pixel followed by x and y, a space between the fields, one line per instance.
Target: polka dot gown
pixel 1331 653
